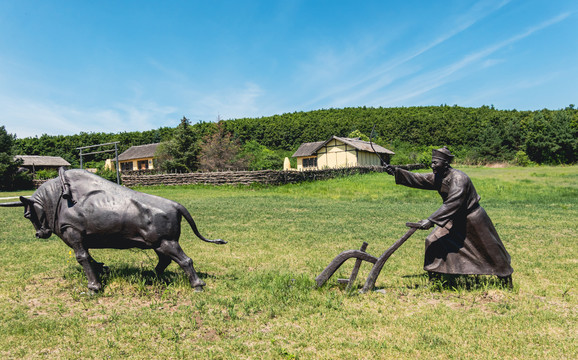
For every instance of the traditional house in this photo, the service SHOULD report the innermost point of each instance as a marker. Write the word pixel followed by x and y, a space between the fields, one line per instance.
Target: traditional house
pixel 35 162
pixel 138 158
pixel 339 152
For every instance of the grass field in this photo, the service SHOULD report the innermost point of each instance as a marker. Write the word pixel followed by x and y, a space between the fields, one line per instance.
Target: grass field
pixel 260 301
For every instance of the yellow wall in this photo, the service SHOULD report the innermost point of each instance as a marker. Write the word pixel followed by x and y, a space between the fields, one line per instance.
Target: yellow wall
pixel 300 163
pixel 336 154
pixel 109 165
pixel 135 163
pixel 368 159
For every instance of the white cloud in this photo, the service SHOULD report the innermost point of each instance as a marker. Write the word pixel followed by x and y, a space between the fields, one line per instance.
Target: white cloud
pixel 435 78
pixel 27 118
pixel 228 103
pixel 492 62
pixel 506 91
pixel 352 91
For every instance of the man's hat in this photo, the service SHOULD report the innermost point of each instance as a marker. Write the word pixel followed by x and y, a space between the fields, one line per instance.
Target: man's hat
pixel 443 153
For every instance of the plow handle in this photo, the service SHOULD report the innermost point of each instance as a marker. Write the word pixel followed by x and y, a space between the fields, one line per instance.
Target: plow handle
pixel 376 269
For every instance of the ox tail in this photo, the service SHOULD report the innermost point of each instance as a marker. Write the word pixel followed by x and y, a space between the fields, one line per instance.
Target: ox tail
pixel 191 222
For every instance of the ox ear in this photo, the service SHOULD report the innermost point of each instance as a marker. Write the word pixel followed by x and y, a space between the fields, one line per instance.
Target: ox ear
pixel 26 201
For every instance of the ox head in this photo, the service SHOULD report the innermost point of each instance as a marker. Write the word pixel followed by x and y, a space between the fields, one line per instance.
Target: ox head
pixel 36 214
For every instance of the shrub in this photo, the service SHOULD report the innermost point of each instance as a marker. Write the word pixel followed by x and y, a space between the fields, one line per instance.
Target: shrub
pixel 46 174
pixel 262 158
pixel 105 173
pixel 22 180
pixel 522 159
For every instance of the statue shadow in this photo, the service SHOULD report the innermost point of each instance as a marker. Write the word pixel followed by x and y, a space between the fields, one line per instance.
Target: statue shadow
pixel 440 282
pixel 148 277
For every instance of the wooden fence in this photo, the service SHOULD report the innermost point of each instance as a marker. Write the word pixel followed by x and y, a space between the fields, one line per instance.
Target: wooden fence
pixel 268 177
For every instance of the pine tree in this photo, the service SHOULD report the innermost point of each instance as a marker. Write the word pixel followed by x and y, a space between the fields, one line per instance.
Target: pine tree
pixel 181 152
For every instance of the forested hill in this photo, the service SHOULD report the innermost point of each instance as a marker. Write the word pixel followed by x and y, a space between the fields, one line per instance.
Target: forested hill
pixel 480 133
pixel 475 134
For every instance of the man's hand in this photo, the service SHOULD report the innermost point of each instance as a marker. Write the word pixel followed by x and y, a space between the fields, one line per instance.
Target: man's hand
pixel 389 169
pixel 425 224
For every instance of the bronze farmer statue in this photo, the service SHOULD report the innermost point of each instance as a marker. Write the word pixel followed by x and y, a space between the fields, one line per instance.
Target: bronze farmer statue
pixel 465 241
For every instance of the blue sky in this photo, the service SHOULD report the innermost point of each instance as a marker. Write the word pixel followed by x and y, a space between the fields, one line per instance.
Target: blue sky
pixel 112 66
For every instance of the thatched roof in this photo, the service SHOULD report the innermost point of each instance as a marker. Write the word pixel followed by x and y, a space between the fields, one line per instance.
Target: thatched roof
pixel 139 152
pixel 36 160
pixel 309 149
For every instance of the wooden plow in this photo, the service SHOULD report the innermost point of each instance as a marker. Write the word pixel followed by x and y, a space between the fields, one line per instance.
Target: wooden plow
pixel 361 256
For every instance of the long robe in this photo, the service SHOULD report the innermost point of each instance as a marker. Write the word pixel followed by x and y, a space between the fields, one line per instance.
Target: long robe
pixel 465 240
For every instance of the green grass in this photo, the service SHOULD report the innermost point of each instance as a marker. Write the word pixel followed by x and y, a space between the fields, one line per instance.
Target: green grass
pixel 260 300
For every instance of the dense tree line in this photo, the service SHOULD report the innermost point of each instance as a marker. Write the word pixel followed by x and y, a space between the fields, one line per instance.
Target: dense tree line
pixel 66 146
pixel 10 177
pixel 476 135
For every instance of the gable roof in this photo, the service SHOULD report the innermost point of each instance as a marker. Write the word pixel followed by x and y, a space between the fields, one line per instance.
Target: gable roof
pixel 37 160
pixel 139 152
pixel 309 149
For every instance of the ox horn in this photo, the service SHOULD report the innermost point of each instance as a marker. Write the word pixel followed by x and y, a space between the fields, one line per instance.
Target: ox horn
pixel 12 204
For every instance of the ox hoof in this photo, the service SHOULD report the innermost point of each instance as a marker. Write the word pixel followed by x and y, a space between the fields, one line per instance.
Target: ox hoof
pixel 198 285
pixel 96 287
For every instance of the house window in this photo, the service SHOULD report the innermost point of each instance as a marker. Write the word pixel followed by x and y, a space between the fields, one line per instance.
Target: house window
pixel 142 164
pixel 310 162
pixel 126 166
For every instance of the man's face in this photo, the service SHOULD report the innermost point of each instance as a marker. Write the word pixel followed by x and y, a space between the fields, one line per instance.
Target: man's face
pixel 439 166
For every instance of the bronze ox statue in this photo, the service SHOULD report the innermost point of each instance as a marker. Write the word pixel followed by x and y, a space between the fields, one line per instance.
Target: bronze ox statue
pixel 87 211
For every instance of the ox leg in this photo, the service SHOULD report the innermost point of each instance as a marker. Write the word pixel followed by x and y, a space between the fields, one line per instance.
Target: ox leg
pixel 74 239
pixel 164 261
pixel 98 266
pixel 173 250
